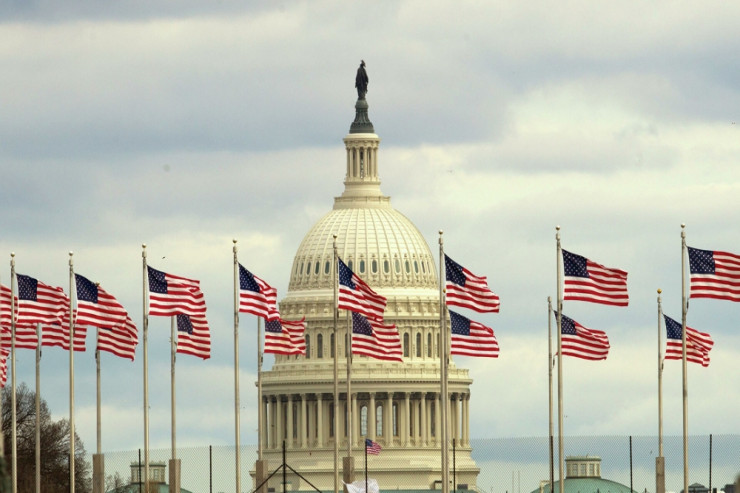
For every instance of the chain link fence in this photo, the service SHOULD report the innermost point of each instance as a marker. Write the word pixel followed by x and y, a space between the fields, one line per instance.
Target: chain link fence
pixel 507 465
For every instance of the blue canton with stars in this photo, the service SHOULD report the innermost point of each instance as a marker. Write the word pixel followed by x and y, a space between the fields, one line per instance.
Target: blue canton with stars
pixel 454 272
pixel 345 276
pixel 184 324
pixel 361 325
pixel 673 329
pixel 157 281
pixel 574 265
pixel 701 261
pixel 86 290
pixel 567 325
pixel 27 288
pixel 459 324
pixel 246 280
pixel 273 326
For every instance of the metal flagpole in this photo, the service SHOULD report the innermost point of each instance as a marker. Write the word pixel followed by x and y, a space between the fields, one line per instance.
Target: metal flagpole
pixel 38 409
pixel 660 460
pixel 260 357
pixel 145 331
pixel 444 362
pixel 336 369
pixel 173 349
pixel 558 258
pixel 71 378
pixel 349 387
pixel 549 372
pixel 13 412
pixel 684 309
pixel 237 404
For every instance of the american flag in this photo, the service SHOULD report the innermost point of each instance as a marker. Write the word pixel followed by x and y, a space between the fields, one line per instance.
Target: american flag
pixel 58 335
pixel 371 447
pixel 356 296
pixel 4 353
pixel 170 295
pixel 120 340
pixel 698 344
pixel 467 290
pixel 95 307
pixel 586 280
pixel 25 335
pixel 193 336
pixel 256 296
pixel 714 274
pixel 40 303
pixel 470 338
pixel 375 339
pixel 580 342
pixel 285 336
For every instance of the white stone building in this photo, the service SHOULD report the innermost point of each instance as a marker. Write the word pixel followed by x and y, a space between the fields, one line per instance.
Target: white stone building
pixel 394 404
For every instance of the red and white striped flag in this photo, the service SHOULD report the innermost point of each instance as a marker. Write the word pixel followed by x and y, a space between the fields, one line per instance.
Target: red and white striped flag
pixel 470 338
pixel 467 290
pixel 698 344
pixel 586 280
pixel 375 339
pixel 120 340
pixel 256 296
pixel 285 336
pixel 193 336
pixel 581 342
pixel 714 274
pixel 356 296
pixel 170 295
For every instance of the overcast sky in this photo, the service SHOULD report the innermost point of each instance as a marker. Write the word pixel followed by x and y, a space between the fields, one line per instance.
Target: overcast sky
pixel 183 125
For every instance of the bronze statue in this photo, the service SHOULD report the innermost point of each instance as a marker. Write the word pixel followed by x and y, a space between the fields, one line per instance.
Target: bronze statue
pixel 361 81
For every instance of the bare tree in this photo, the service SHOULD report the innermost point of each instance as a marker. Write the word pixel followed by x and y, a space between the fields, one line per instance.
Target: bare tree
pixel 54 446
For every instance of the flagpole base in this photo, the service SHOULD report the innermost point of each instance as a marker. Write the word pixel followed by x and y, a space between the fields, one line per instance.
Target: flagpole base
pixel 175 475
pixel 660 475
pixel 260 475
pixel 348 470
pixel 98 473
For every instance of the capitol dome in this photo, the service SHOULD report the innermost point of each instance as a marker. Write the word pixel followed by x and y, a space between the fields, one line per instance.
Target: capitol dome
pixel 397 405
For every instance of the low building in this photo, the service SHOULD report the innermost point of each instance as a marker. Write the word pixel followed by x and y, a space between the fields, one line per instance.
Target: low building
pixel 583 475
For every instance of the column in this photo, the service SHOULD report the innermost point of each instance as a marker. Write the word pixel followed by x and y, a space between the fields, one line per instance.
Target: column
pixel 279 422
pixel 355 421
pixel 388 420
pixel 320 422
pixel 458 434
pixel 416 420
pixel 406 420
pixel 303 425
pixel 466 416
pixel 438 419
pixel 289 419
pixel 423 428
pixel 263 426
pixel 371 427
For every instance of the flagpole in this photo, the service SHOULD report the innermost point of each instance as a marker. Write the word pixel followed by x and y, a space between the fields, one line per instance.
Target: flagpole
pixel 336 368
pixel 173 349
pixel 684 309
pixel 145 330
pixel 660 461
pixel 237 403
pixel 560 357
pixel 71 378
pixel 13 412
pixel 38 409
pixel 549 372
pixel 444 361
pixel 349 388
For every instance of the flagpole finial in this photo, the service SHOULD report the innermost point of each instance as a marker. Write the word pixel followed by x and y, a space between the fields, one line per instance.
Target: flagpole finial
pixel 660 290
pixel 12 254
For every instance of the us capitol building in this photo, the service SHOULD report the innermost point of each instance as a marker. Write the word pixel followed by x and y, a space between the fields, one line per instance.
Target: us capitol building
pixel 395 404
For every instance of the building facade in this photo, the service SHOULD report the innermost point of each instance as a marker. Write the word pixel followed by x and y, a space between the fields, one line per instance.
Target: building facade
pixel 395 404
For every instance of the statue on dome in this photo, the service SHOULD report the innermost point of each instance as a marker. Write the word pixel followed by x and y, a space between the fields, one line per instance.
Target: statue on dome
pixel 361 81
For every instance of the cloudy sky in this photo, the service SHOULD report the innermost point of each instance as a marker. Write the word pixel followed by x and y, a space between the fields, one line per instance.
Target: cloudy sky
pixel 184 125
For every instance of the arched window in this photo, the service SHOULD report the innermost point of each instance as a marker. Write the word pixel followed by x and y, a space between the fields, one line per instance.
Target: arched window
pixel 408 267
pixel 363 420
pixel 374 266
pixel 429 345
pixel 397 265
pixel 362 266
pixel 349 265
pixel 327 265
pixel 386 266
pixel 406 343
pixel 308 268
pixel 416 266
pixel 308 346
pixel 439 348
pixel 423 267
pixel 331 341
pixel 319 345
pixel 418 344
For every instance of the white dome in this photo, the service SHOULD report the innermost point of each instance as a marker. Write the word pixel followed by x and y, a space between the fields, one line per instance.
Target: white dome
pixel 379 244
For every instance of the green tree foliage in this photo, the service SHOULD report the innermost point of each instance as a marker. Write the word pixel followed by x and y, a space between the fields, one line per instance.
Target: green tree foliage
pixel 54 440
